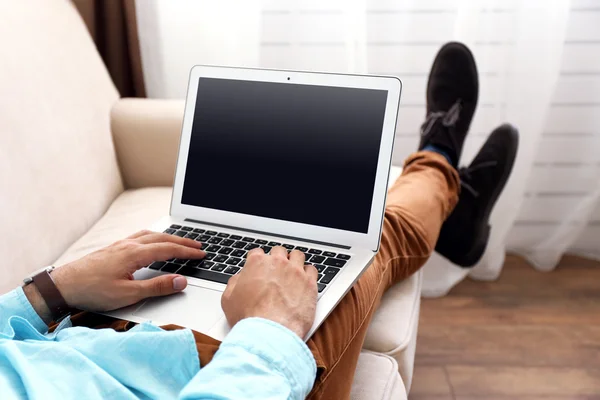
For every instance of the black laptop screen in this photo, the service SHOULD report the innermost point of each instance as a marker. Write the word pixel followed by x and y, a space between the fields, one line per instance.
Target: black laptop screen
pixel 299 153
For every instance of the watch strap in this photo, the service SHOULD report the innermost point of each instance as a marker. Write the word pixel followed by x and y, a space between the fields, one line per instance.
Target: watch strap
pixel 54 300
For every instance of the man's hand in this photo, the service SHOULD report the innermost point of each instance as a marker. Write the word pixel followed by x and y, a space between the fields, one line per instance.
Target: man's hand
pixel 103 280
pixel 275 287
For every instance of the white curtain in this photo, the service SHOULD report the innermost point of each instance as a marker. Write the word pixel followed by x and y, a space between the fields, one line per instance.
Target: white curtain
pixel 539 69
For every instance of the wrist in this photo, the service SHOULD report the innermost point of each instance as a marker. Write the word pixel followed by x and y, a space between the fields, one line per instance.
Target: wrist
pixel 60 277
pixel 46 296
pixel 37 302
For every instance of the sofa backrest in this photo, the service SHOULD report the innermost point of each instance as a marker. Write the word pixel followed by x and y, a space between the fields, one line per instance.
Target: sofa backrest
pixel 58 171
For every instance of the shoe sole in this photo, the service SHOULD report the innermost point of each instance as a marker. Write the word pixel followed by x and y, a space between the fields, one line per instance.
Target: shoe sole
pixel 472 257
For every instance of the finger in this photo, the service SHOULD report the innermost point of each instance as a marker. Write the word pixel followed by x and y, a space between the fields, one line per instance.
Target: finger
pixel 160 286
pixel 279 251
pixel 312 272
pixel 227 293
pixel 149 253
pixel 164 237
pixel 140 234
pixel 297 257
pixel 230 285
pixel 255 253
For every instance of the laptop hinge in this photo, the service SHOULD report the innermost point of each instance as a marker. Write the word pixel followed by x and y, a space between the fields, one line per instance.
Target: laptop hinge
pixel 270 234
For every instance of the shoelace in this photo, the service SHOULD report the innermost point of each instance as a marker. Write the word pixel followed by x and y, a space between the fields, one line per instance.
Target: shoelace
pixel 448 119
pixel 467 173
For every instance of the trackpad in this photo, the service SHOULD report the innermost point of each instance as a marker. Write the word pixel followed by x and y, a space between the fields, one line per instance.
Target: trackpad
pixel 195 308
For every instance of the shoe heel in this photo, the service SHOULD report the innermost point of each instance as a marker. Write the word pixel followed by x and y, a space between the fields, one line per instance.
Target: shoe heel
pixel 475 255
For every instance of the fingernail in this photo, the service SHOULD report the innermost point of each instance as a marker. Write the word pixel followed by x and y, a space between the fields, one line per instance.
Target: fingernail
pixel 179 283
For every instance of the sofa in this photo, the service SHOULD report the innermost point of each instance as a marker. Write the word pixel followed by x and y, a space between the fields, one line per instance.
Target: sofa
pixel 81 168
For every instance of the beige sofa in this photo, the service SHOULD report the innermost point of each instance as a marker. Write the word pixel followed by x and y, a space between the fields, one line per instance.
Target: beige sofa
pixel 81 168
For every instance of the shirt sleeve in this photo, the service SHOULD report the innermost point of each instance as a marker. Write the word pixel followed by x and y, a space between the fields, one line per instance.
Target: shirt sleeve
pixel 15 309
pixel 259 359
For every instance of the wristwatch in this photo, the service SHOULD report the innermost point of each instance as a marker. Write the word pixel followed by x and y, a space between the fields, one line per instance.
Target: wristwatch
pixel 54 300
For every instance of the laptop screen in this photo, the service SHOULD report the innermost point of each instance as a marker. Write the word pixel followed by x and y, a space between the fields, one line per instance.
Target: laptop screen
pixel 298 153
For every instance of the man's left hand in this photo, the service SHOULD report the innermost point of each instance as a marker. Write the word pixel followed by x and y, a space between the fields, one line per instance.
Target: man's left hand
pixel 103 280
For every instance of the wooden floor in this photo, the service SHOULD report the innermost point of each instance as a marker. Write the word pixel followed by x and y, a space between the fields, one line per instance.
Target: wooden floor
pixel 529 335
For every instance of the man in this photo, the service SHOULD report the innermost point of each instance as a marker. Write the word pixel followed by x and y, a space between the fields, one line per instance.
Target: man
pixel 271 302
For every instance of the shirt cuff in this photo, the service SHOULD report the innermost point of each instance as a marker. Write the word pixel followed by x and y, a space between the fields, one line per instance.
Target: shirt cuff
pixel 16 304
pixel 280 347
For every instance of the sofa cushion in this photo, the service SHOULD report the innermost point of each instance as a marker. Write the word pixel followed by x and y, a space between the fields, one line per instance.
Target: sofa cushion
pixel 58 170
pixel 377 378
pixel 132 211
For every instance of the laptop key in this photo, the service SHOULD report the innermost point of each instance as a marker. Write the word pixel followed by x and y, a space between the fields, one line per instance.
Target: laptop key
pixel 327 278
pixel 231 270
pixel 331 270
pixel 302 249
pixel 289 246
pixel 261 241
pixel 223 235
pixel 251 246
pixel 235 237
pixel 307 257
pixel 157 265
pixel 273 244
pixel 266 249
pixel 225 250
pixel 238 253
pixel 211 233
pixel 170 231
pixel 220 258
pixel 335 262
pixel 233 261
pixel 191 235
pixel 180 233
pixel 227 242
pixel 248 239
pixel 319 278
pixel 186 228
pixel 328 254
pixel 174 226
pixel 205 274
pixel 320 268
pixel 209 256
pixel 213 248
pixel 215 240
pixel 203 238
pixel 219 267
pixel 198 230
pixel 239 245
pixel 170 267
pixel 314 251
pixel 206 265
pixel 317 259
pixel 343 256
pixel 179 261
pixel 242 263
pixel 321 287
pixel 194 263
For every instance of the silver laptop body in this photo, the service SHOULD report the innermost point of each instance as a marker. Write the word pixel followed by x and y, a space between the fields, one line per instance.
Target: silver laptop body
pixel 272 157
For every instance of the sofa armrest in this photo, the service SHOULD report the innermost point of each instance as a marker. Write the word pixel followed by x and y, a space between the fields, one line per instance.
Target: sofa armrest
pixel 146 136
pixel 377 378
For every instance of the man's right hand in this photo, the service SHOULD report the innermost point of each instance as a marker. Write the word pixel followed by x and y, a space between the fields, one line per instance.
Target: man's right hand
pixel 277 287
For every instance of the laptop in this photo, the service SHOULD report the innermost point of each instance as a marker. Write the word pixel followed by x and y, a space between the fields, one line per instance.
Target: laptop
pixel 275 158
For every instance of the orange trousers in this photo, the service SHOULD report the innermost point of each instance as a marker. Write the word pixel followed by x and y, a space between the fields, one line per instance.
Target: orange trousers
pixel 417 205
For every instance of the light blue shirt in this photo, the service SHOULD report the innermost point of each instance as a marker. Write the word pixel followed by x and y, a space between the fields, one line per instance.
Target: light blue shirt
pixel 259 359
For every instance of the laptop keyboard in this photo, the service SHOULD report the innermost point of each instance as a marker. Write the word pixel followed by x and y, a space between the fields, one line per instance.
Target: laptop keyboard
pixel 226 256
